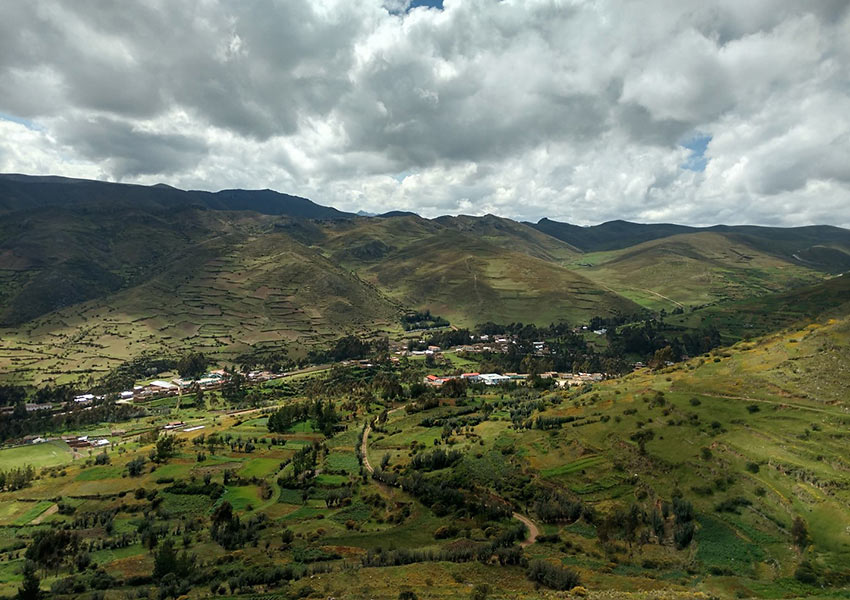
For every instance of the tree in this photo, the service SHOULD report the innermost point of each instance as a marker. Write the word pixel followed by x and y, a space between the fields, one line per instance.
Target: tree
pixel 192 366
pixel 164 448
pixel 454 388
pixel 51 548
pixel 661 357
pixel 642 437
pixel 231 389
pixel 29 589
pixel 480 592
pixel 165 560
pixel 135 466
pixel 800 533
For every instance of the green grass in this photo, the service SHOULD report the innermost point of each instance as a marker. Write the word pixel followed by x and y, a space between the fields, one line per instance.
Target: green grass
pixel 186 504
pixel 290 496
pixel 342 462
pixel 358 512
pixel 97 473
pixel 720 546
pixel 324 479
pixel 37 509
pixel 49 454
pixel 260 467
pixel 241 497
pixel 578 465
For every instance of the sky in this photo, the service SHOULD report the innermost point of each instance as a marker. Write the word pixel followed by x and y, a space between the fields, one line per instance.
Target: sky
pixel 681 111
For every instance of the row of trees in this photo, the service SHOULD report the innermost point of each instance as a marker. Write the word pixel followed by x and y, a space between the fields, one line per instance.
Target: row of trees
pixel 16 478
pixel 322 412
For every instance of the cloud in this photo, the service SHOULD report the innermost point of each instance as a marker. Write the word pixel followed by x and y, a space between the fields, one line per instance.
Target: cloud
pixel 584 111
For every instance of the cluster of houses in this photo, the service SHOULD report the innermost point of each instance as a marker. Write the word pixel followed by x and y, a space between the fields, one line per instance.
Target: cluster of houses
pixel 477 344
pixel 84 441
pixel 180 425
pixel 485 378
pixel 561 379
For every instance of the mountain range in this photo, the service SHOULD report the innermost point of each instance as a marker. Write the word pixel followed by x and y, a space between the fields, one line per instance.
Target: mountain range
pixel 124 268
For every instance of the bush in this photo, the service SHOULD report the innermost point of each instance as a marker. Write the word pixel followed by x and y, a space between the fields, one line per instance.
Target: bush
pixel 732 505
pixel 805 573
pixel 445 532
pixel 800 533
pixel 135 466
pixel 683 534
pixel 480 592
pixel 552 576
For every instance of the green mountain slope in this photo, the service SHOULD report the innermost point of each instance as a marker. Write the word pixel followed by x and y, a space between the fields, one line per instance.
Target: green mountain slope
pixel 819 247
pixel 691 269
pixel 248 285
pixel 512 236
pixel 613 235
pixel 93 272
pixel 471 271
pixel 752 436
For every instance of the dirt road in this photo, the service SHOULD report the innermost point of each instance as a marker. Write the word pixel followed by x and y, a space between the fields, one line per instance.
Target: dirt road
pixel 533 532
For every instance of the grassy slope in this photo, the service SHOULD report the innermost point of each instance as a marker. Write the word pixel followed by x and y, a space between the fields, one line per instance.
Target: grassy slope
pixel 797 379
pixel 244 287
pixel 472 272
pixel 511 235
pixel 752 317
pixel 797 437
pixel 691 269
pixel 110 283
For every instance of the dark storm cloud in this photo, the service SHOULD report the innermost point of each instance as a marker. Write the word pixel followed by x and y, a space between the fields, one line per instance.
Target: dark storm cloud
pixel 130 152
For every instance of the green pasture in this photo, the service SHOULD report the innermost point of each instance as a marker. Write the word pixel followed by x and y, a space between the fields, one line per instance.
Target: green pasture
pixel 48 454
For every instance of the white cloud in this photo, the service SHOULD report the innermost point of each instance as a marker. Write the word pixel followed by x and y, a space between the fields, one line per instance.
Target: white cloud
pixel 572 110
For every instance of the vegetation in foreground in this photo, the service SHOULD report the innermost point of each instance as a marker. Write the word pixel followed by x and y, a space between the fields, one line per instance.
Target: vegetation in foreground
pixel 723 475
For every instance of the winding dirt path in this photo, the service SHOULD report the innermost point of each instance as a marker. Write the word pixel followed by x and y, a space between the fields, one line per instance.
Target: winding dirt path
pixel 533 530
pixel 364 445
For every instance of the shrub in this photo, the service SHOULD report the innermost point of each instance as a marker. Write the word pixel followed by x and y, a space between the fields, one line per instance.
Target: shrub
pixel 683 533
pixel 135 466
pixel 552 576
pixel 800 533
pixel 805 573
pixel 732 505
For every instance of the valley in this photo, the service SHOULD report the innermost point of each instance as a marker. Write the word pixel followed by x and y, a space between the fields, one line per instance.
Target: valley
pixel 202 399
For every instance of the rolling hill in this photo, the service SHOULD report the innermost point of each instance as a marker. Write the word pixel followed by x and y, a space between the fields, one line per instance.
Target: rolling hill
pixel 92 273
pixel 692 269
pixel 820 247
pixel 472 270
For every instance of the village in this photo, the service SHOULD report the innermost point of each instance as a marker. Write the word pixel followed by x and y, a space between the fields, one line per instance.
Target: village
pixel 562 380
